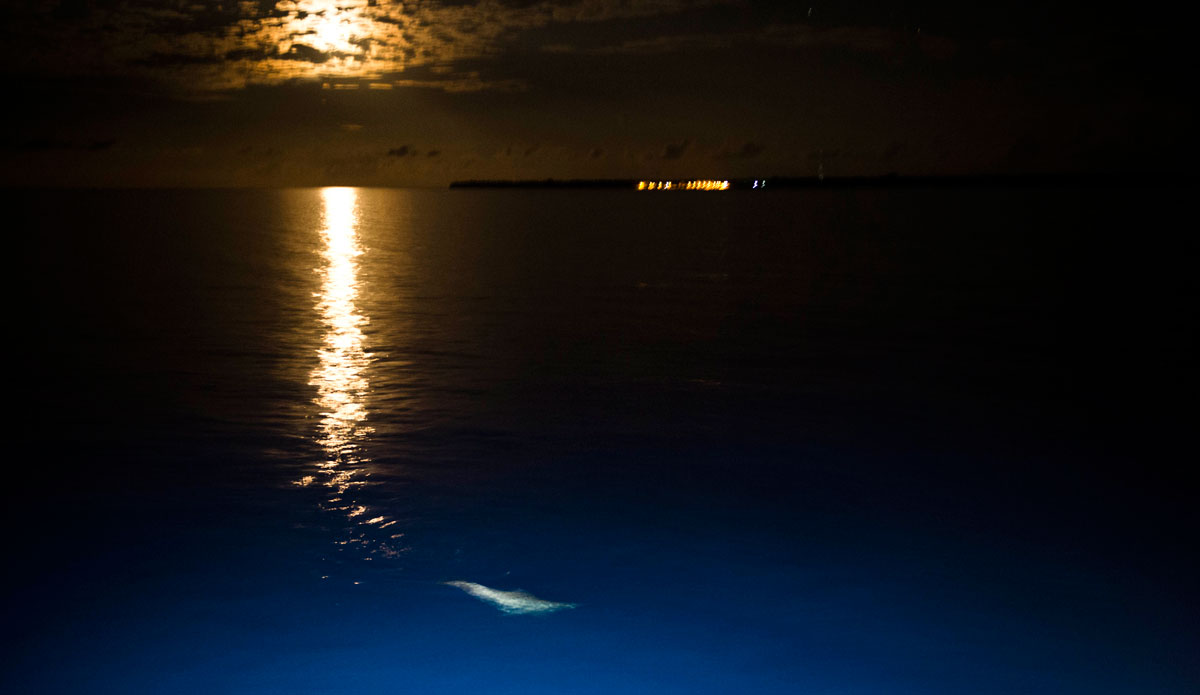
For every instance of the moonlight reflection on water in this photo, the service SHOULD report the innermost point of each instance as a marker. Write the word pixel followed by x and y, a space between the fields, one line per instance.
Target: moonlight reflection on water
pixel 340 377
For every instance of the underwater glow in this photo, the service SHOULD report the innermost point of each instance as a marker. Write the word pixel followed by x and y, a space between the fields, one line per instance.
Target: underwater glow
pixel 511 602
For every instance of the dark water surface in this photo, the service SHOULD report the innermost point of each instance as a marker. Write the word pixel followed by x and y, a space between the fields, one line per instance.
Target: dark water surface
pixel 816 442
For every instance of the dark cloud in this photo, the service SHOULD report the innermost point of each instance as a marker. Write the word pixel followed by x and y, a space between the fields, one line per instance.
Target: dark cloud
pixel 749 150
pixel 250 150
pixel 824 155
pixel 304 53
pixel 48 144
pixel 460 83
pixel 675 150
pixel 870 39
pixel 402 151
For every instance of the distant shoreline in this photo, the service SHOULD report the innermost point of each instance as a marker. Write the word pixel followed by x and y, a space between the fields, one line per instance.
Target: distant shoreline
pixel 887 181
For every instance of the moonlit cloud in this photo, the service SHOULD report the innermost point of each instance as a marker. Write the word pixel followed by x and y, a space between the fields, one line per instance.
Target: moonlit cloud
pixel 324 92
pixel 218 46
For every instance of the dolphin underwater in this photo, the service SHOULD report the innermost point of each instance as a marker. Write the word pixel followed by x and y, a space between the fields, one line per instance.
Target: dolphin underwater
pixel 511 602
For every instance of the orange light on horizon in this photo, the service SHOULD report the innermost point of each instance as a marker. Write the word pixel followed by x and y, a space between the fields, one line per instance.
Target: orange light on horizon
pixel 691 185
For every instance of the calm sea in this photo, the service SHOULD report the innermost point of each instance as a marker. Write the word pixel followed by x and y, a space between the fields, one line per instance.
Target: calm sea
pixel 852 441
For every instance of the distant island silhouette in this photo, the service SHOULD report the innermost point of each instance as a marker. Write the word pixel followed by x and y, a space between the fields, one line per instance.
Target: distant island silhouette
pixel 811 182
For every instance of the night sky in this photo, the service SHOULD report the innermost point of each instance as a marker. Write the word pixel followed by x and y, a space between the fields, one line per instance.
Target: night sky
pixel 374 92
pixel 922 439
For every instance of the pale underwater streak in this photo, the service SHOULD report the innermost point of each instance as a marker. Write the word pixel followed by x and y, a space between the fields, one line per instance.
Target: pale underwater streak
pixel 511 602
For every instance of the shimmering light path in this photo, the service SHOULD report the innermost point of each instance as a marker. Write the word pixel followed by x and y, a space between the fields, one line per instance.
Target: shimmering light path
pixel 341 375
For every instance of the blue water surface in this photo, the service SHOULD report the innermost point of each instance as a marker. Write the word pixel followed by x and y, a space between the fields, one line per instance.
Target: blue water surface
pixel 843 441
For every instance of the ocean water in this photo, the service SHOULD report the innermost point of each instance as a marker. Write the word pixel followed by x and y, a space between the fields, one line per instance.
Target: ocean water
pixel 847 441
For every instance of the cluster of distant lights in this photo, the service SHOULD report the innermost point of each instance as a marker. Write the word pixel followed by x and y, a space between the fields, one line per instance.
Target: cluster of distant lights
pixel 697 185
pixel 700 185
